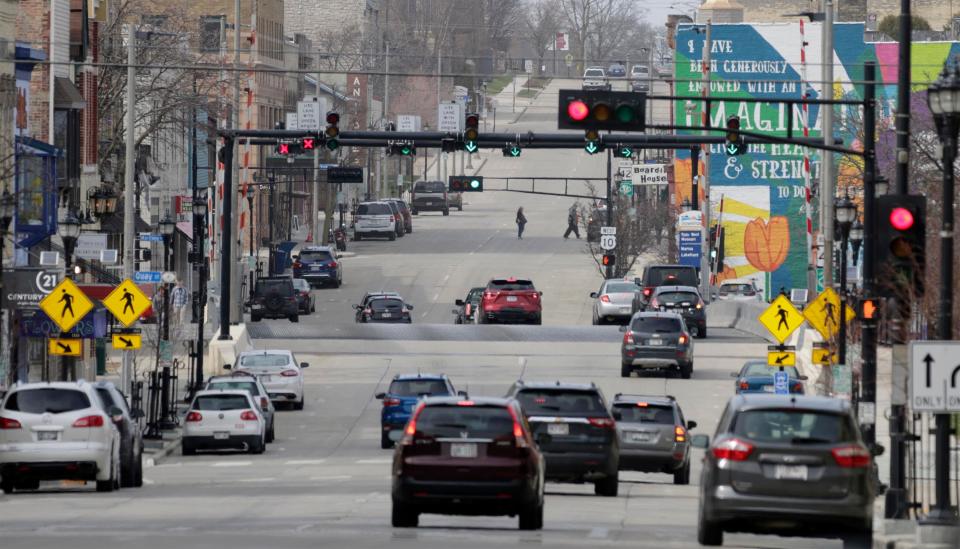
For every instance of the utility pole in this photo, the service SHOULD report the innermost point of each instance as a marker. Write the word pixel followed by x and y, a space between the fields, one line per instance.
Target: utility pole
pixel 315 201
pixel 129 225
pixel 386 111
pixel 609 269
pixel 233 299
pixel 827 175
pixel 705 274
pixel 868 340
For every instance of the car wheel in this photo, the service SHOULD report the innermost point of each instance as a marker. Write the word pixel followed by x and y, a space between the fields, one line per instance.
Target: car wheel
pixel 625 369
pixel 413 211
pixel 7 485
pixel 392 236
pixel 138 476
pixel 271 434
pixel 537 321
pixel 313 308
pixel 298 405
pixel 255 318
pixel 257 447
pixel 460 207
pixel 608 486
pixel 531 518
pixel 295 317
pixel 187 450
pixel 682 475
pixel 858 540
pixel 127 471
pixel 337 283
pixel 703 333
pixel 357 237
pixel 385 442
pixel 708 533
pixel 686 370
pixel 109 484
pixel 27 485
pixel 403 518
pixel 446 212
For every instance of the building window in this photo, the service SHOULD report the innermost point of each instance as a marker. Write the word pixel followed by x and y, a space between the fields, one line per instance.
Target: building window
pixel 210 37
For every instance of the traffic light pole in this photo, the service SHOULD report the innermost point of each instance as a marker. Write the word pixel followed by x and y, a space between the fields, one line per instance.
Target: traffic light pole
pixel 868 349
pixel 609 269
pixel 226 236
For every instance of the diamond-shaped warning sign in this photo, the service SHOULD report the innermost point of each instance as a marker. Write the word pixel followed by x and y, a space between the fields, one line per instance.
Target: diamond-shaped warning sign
pixel 781 318
pixel 127 302
pixel 66 305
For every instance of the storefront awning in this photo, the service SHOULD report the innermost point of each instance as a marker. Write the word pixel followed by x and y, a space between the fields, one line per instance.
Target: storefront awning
pixel 66 95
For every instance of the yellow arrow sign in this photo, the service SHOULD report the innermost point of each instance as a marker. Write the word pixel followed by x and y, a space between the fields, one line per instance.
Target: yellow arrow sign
pixel 66 305
pixel 781 358
pixel 127 342
pixel 823 313
pixel 65 346
pixel 127 302
pixel 781 318
pixel 824 357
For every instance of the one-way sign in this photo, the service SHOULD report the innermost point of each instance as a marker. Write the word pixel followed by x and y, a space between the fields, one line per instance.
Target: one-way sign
pixel 935 376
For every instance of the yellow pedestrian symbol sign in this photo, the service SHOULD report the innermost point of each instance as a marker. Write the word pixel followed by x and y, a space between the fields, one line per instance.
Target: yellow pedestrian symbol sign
pixel 66 305
pixel 824 357
pixel 781 358
pixel 781 318
pixel 127 302
pixel 64 346
pixel 823 313
pixel 127 342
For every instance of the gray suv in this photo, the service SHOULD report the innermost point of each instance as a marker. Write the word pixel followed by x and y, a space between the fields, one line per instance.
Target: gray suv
pixel 653 435
pixel 786 465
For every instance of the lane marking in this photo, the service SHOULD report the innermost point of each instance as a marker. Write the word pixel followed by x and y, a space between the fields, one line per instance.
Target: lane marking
pixel 232 464
pixel 332 477
pixel 598 533
pixel 262 479
pixel 304 462
pixel 374 461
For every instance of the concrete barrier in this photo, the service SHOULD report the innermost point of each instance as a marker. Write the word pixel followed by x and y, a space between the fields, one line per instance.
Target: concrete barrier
pixel 740 315
pixel 220 352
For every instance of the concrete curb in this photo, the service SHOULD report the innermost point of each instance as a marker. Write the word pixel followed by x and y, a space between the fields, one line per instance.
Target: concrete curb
pixel 150 459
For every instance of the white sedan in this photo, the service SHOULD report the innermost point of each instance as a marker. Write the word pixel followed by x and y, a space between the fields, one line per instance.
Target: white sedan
pixel 220 419
pixel 278 371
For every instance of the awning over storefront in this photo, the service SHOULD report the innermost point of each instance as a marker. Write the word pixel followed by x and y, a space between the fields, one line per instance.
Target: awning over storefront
pixel 66 95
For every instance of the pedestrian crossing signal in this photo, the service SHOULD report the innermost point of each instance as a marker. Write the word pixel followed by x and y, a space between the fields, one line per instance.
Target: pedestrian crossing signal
pixel 608 260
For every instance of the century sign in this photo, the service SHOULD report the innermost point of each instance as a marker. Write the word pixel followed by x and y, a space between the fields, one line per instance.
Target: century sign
pixel 24 288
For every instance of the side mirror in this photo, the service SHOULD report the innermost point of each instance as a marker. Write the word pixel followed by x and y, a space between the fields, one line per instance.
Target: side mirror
pixel 623 328
pixel 357 307
pixel 543 438
pixel 458 303
pixel 593 295
pixel 877 450
pixel 700 441
pixel 455 311
pixel 463 394
pixel 304 364
pixel 379 396
pixel 802 378
pixel 409 306
pixel 227 366
pixel 136 413
pixel 617 415
pixel 116 414
pixel 734 374
pixel 691 424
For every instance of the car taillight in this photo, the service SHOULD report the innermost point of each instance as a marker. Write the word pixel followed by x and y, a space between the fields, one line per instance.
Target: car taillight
pixel 264 403
pixel 488 295
pixel 744 385
pixel 605 298
pixel 628 338
pixel 518 436
pixel 602 422
pixel 289 373
pixel 682 340
pixel 797 386
pixel 679 434
pixel 654 303
pixel 647 292
pixel 248 415
pixel 333 263
pixel 535 295
pixel 733 449
pixel 7 423
pixel 89 421
pixel 465 403
pixel 411 428
pixel 853 456
pixel 368 311
pixel 391 402
pixel 700 304
pixel 297 265
pixel 194 416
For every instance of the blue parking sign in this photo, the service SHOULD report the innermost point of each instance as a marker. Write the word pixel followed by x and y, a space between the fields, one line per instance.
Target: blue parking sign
pixel 781 383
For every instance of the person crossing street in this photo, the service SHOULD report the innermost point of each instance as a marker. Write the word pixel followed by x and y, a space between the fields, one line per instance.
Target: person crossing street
pixel 573 219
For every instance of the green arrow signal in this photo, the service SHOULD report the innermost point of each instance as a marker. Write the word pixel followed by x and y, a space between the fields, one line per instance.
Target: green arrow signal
pixel 626 152
pixel 471 146
pixel 405 150
pixel 515 151
pixel 592 147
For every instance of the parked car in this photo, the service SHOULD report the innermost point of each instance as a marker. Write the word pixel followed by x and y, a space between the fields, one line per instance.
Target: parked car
pixel 640 78
pixel 304 296
pixel 613 302
pixel 384 309
pixel 684 300
pixel 653 435
pixel 274 297
pixel 58 430
pixel 404 213
pixel 511 300
pixel 466 311
pixel 398 222
pixel 739 289
pixel 574 430
pixel 756 376
pixel 790 466
pixel 656 340
pixel 278 371
pixel 431 196
pixel 319 265
pixel 401 397
pixel 131 436
pixel 222 419
pixel 472 457
pixel 660 275
pixel 617 70
pixel 374 219
pixel 248 382
pixel 594 78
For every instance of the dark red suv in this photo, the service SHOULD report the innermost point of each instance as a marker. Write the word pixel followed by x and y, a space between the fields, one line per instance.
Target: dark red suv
pixel 468 457
pixel 511 300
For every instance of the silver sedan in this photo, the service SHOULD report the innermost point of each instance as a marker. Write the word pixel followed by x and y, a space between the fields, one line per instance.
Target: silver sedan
pixel 614 301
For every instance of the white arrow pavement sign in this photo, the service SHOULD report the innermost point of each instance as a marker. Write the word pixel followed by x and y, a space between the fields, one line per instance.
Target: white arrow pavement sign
pixel 935 376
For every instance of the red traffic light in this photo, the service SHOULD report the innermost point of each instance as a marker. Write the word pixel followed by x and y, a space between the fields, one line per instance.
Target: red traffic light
pixel 333 118
pixel 578 111
pixel 472 120
pixel 901 218
pixel 733 123
pixel 308 143
pixel 283 148
pixel 608 260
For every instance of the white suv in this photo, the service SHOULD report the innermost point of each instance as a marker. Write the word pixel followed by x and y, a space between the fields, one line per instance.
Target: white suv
pixel 224 419
pixel 374 219
pixel 278 371
pixel 57 431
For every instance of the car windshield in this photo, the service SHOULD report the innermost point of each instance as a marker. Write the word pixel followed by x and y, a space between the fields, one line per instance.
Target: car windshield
pixel 594 72
pixel 643 412
pixel 640 71
pixel 620 287
pixel 510 285
pixel 248 386
pixel 677 276
pixel 47 400
pixel 761 369
pixel 265 361
pixel 739 289
pixel 686 299
pixel 313 256
pixel 429 187
pixel 418 387
pixel 560 401
pixel 386 305
pixel 795 426
pixel 221 402
pixel 374 209
pixel 301 284
pixel 654 324
pixel 270 286
pixel 465 422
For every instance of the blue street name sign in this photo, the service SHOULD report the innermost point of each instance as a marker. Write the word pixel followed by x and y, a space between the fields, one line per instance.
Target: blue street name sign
pixel 148 277
pixel 690 248
pixel 781 382
pixel 150 237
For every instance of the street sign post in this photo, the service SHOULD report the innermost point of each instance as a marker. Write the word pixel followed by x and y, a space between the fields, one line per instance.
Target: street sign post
pixel 690 246
pixel 823 313
pixel 935 376
pixel 66 305
pixel 147 277
pixel 626 188
pixel 450 117
pixel 127 342
pixel 781 318
pixel 608 230
pixel 65 346
pixel 150 237
pixel 345 174
pixel 608 241
pixel 823 356
pixel 309 115
pixel 782 358
pixel 650 174
pixel 127 302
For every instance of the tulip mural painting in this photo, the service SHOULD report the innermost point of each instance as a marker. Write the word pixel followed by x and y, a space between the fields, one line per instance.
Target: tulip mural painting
pixel 763 191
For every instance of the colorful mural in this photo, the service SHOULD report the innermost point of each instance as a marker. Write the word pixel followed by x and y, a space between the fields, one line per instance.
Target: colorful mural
pixel 763 191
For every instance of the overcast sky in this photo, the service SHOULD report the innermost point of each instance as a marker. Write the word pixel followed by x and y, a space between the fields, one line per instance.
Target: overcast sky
pixel 657 10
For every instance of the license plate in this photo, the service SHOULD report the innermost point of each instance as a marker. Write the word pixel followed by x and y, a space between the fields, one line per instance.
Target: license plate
pixel 655 342
pixel 561 429
pixel 265 379
pixel 429 203
pixel 463 450
pixel 314 267
pixel 790 472
pixel 768 388
pixel 256 307
pixel 221 436
pixel 638 437
pixel 386 315
pixel 511 298
pixel 624 309
pixel 47 435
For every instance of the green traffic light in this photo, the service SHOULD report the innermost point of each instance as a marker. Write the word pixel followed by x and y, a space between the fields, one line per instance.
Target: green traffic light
pixel 515 151
pixel 625 114
pixel 405 150
pixel 626 152
pixel 471 146
pixel 474 184
pixel 333 144
pixel 592 147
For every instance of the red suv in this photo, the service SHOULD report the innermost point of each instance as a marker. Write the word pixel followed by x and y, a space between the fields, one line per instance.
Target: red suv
pixel 510 300
pixel 467 457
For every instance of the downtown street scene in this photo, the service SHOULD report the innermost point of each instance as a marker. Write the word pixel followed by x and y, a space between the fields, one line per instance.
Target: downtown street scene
pixel 469 273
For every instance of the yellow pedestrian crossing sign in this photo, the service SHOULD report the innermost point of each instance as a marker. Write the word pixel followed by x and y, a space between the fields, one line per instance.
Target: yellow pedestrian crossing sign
pixel 824 357
pixel 781 358
pixel 781 318
pixel 823 313
pixel 127 302
pixel 65 346
pixel 127 342
pixel 66 305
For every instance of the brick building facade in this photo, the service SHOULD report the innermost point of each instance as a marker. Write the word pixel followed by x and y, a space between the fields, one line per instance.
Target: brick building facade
pixel 936 12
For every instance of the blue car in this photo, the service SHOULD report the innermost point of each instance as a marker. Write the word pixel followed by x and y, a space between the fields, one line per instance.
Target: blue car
pixel 756 376
pixel 402 396
pixel 318 265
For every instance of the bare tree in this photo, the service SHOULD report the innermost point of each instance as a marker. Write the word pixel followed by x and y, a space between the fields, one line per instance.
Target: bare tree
pixel 541 24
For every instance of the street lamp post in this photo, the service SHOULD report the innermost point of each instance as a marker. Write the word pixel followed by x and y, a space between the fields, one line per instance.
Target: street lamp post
pixel 943 98
pixel 200 262
pixel 845 212
pixel 69 230
pixel 167 228
pixel 7 211
pixel 253 254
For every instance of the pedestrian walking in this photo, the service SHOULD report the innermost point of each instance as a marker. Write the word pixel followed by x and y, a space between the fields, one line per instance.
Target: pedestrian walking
pixel 573 219
pixel 521 222
pixel 180 299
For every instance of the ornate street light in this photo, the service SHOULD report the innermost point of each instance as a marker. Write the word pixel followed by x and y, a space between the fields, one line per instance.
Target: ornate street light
pixel 856 239
pixel 880 186
pixel 7 210
pixel 69 231
pixel 846 211
pixel 101 201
